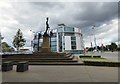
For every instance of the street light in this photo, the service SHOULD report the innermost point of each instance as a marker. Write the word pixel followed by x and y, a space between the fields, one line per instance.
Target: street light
pixel 102 46
pixel 94 37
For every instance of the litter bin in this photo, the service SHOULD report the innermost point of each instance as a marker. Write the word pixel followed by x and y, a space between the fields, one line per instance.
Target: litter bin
pixel 7 66
pixel 22 66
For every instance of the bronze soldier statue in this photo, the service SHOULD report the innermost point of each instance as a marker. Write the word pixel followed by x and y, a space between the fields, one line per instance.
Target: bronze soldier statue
pixel 47 26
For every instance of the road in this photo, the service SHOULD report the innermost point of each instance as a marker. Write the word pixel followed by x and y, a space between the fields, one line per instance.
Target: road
pixel 111 56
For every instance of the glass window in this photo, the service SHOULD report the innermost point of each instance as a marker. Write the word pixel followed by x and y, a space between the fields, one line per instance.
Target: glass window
pixel 54 35
pixel 53 43
pixel 73 43
pixel 60 29
pixel 73 38
pixel 73 47
pixel 69 34
pixel 53 48
pixel 69 29
pixel 53 39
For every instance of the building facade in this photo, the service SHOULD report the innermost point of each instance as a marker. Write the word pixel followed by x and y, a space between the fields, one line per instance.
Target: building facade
pixel 64 39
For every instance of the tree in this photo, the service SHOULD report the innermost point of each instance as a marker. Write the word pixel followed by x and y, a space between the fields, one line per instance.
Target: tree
pixel 18 40
pixel 103 48
pixel 113 47
pixel 6 48
pixel 1 38
pixel 91 49
pixel 107 48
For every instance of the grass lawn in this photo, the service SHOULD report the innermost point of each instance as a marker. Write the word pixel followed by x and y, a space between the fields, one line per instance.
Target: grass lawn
pixel 92 59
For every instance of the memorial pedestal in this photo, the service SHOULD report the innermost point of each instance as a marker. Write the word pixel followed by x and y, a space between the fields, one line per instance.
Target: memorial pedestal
pixel 46 44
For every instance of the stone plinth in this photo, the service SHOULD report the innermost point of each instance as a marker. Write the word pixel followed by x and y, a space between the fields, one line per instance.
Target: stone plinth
pixel 46 44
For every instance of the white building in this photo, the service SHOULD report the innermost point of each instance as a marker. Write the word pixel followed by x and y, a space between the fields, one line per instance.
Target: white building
pixel 64 39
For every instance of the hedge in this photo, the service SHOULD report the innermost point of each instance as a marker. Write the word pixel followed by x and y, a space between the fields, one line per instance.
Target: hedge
pixel 89 56
pixel 99 63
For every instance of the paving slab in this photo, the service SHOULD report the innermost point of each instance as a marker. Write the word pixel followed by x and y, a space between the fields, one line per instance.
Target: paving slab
pixel 62 74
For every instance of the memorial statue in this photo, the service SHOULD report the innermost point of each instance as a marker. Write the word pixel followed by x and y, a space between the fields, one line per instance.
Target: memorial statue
pixel 46 37
pixel 47 26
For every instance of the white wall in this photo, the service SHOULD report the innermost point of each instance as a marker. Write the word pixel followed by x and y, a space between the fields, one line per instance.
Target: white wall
pixel 78 43
pixel 67 42
pixel 82 43
pixel 77 30
pixel 57 43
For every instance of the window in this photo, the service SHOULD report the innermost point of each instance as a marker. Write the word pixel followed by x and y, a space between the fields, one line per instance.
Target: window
pixel 53 43
pixel 53 39
pixel 69 34
pixel 53 48
pixel 60 29
pixel 73 38
pixel 69 29
pixel 73 47
pixel 54 35
pixel 73 43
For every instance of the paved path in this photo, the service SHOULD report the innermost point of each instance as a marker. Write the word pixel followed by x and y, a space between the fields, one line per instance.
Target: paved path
pixel 63 74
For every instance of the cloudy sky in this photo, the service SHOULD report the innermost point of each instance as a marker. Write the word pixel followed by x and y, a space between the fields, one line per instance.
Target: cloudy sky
pixel 31 16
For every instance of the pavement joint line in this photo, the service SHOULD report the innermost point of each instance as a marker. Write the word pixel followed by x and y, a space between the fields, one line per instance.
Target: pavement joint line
pixel 89 74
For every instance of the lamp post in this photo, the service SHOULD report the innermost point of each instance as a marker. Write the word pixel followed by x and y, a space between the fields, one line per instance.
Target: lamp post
pixel 102 46
pixel 91 43
pixel 94 37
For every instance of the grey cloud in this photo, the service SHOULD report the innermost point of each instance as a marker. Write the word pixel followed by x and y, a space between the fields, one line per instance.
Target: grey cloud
pixel 47 5
pixel 31 15
pixel 94 13
pixel 80 15
pixel 98 11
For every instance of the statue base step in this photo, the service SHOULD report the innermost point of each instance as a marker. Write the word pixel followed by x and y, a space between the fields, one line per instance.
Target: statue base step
pixel 45 50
